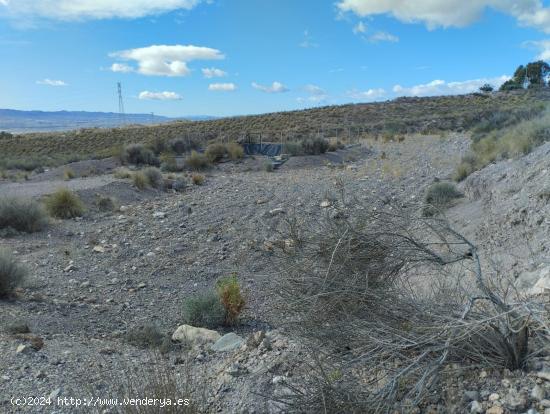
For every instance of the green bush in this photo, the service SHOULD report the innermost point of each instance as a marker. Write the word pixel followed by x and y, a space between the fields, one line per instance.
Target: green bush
pixel 439 196
pixel 168 163
pixel 138 154
pixel 315 146
pixel 293 148
pixel 197 161
pixel 12 274
pixel 145 336
pixel 154 177
pixel 22 215
pixel 230 296
pixel 215 152
pixel 68 174
pixel 106 203
pixel 267 166
pixel 204 311
pixel 64 204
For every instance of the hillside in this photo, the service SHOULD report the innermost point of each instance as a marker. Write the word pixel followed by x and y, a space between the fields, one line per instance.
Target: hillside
pixel 347 121
pixel 21 122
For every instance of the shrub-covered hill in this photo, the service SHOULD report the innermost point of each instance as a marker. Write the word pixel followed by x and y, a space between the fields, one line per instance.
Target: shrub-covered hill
pixel 345 121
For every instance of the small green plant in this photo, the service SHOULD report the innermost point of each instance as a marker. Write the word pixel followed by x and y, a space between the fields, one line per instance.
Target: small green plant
pixel 234 151
pixel 139 180
pixel 154 177
pixel 106 203
pixel 215 152
pixel 197 179
pixel 145 336
pixel 204 311
pixel 64 204
pixel 12 274
pixel 439 196
pixel 229 293
pixel 21 215
pixel 197 161
pixel 267 166
pixel 168 163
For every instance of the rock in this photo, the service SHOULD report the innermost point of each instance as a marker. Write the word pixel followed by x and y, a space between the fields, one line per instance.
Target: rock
pixel 495 409
pixel 543 284
pixel 545 375
pixel 538 393
pixel 515 400
pixel 228 342
pixel 99 249
pixel 476 407
pixel 535 282
pixel 54 394
pixel 279 379
pixel 325 203
pixel 159 215
pixel 494 397
pixel 545 403
pixel 193 335
pixel 22 349
pixel 255 339
pixel 276 211
pixel 71 267
pixel 471 395
pixel 262 201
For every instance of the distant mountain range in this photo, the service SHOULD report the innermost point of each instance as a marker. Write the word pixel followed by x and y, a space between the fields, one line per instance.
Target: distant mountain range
pixel 15 121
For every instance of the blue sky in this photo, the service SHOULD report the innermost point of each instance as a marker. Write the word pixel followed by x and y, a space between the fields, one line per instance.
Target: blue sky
pixel 227 57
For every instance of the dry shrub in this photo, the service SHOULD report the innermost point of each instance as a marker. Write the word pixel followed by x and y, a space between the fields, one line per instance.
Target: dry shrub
pixel 234 150
pixel 122 173
pixel 155 379
pixel 68 174
pixel 439 196
pixel 231 298
pixel 12 274
pixel 64 204
pixel 390 299
pixel 21 215
pixel 140 180
pixel 154 176
pixel 215 152
pixel 197 161
pixel 105 203
pixel 197 179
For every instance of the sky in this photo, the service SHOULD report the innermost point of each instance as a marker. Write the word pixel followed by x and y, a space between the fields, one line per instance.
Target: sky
pixel 236 57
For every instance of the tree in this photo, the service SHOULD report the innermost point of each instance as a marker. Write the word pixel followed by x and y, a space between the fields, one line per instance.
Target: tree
pixel 537 73
pixel 487 88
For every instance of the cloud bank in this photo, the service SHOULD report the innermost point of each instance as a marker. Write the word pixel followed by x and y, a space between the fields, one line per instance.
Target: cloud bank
pixel 160 96
pixel 275 87
pixel 50 82
pixel 163 60
pixel 222 87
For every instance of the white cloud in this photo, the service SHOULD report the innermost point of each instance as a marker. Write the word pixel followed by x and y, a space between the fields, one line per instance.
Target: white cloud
pixel 543 46
pixel 368 95
pixel 308 41
pixel 163 60
pixel 451 13
pixel 160 96
pixel 440 87
pixel 316 94
pixel 51 82
pixel 213 73
pixel 276 87
pixel 383 37
pixel 121 67
pixel 70 10
pixel 222 87
pixel 359 28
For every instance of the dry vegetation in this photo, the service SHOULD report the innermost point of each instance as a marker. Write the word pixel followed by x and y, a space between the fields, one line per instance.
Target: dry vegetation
pixel 347 121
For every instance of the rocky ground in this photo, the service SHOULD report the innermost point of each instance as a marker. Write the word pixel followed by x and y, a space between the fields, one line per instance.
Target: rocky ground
pixel 94 279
